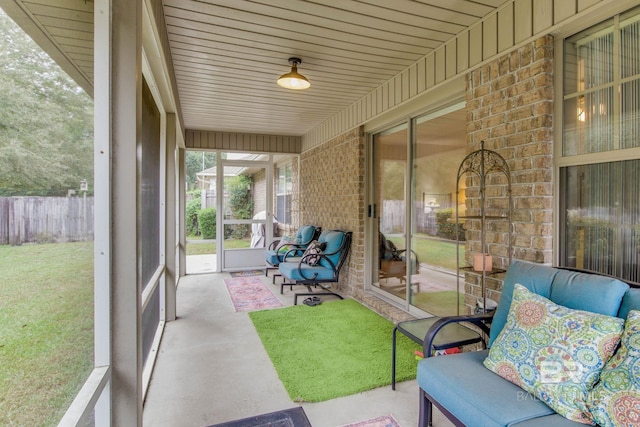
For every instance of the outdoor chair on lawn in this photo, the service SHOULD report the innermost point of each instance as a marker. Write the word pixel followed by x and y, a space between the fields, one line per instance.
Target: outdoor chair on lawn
pixel 295 247
pixel 393 261
pixel 319 266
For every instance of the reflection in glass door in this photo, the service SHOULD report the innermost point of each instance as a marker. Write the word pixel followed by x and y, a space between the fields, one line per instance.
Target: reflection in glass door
pixel 439 147
pixel 389 211
pixel 414 255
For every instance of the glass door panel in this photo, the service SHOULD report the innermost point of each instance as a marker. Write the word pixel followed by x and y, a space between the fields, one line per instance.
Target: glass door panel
pixel 244 210
pixel 440 147
pixel 390 170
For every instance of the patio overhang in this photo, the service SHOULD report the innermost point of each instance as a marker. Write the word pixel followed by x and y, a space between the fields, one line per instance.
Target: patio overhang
pixel 364 63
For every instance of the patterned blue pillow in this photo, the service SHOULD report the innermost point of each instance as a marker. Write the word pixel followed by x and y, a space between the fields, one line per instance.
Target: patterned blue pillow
pixel 615 400
pixel 554 352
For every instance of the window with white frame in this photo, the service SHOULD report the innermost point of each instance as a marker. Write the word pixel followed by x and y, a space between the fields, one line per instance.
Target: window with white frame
pixel 599 167
pixel 283 194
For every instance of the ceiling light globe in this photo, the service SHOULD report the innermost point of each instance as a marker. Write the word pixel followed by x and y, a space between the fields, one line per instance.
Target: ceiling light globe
pixel 293 81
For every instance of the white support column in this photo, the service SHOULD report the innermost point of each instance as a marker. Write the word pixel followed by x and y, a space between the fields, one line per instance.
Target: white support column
pixel 171 220
pixel 102 201
pixel 182 206
pixel 126 113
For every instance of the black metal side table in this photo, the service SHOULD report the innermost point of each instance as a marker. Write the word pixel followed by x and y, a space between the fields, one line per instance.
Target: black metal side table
pixel 451 335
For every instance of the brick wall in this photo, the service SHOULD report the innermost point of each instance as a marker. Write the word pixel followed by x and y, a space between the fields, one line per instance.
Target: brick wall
pixel 510 108
pixel 259 191
pixel 332 196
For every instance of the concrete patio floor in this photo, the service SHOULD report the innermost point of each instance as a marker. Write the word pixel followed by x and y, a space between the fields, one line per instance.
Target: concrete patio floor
pixel 212 368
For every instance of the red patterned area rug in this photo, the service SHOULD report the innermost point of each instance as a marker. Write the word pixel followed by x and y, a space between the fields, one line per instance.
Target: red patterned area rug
pixel 249 294
pixel 383 421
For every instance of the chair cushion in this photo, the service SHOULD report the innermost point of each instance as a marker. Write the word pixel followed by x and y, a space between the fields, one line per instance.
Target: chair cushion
pixel 535 277
pixel 272 257
pixel 553 351
pixel 333 239
pixel 475 395
pixel 615 400
pixel 291 271
pixel 305 234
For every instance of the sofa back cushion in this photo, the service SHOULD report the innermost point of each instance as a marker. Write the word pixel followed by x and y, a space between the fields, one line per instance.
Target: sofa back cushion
pixel 535 277
pixel 579 291
pixel 589 292
pixel 630 301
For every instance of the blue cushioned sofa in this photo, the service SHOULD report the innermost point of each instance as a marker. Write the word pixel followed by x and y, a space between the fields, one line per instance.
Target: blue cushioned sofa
pixel 471 395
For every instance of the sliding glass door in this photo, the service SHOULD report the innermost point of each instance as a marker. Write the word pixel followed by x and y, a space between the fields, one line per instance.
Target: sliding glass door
pixel 413 176
pixel 388 211
pixel 439 148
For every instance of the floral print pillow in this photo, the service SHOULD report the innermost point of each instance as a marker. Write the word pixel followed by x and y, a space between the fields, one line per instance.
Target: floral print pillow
pixel 554 352
pixel 313 253
pixel 615 400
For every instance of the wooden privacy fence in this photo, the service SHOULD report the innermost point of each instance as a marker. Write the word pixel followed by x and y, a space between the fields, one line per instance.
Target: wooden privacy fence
pixel 393 217
pixel 45 219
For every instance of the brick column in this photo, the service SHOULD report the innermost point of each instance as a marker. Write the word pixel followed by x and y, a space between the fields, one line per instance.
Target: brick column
pixel 510 108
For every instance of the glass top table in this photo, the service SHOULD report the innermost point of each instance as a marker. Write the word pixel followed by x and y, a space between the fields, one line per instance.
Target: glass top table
pixel 451 335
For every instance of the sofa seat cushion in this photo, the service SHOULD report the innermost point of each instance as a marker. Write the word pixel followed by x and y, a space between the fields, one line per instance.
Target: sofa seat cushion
pixel 291 271
pixel 475 395
pixel 548 421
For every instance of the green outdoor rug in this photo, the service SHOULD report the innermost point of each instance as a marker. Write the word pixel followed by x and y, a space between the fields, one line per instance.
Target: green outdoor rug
pixel 334 349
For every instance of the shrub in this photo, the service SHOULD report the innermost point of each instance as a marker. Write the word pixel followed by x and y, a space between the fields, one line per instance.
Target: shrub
pixel 193 207
pixel 446 228
pixel 207 223
pixel 240 204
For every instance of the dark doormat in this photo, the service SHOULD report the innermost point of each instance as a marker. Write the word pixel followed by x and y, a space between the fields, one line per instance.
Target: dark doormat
pixel 294 417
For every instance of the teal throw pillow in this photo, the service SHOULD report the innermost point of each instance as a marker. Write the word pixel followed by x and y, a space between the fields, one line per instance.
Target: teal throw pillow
pixel 615 400
pixel 554 352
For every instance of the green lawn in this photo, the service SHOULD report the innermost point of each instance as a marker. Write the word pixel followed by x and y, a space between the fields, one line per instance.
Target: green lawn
pixel 194 247
pixel 441 253
pixel 46 330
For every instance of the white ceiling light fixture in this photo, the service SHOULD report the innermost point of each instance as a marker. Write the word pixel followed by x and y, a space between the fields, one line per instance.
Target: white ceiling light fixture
pixel 293 80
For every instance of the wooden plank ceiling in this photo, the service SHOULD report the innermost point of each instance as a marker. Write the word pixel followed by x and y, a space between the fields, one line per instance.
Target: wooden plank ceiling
pixel 227 54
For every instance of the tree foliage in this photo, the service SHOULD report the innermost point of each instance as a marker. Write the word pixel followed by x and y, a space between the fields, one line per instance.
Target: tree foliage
pixel 197 161
pixel 46 121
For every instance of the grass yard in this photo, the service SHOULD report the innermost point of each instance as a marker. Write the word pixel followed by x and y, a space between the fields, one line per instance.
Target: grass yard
pixel 46 330
pixel 196 247
pixel 436 252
